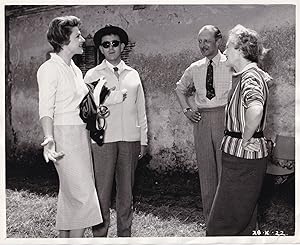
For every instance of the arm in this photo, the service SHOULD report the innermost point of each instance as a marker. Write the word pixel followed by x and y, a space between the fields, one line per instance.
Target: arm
pixel 47 84
pixel 142 118
pixel 182 99
pixel 252 120
pixel 116 97
pixel 185 81
pixel 49 143
pixel 253 102
pixel 47 125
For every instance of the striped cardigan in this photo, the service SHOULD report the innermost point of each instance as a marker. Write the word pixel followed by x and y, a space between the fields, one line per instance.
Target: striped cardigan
pixel 249 87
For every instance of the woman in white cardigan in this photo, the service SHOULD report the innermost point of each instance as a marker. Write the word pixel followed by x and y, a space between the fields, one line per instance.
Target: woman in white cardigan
pixel 66 141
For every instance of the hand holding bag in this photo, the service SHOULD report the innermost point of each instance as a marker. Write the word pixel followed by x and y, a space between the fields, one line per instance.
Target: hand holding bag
pixel 92 116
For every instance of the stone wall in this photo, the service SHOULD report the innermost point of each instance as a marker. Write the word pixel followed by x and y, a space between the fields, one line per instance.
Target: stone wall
pixel 165 45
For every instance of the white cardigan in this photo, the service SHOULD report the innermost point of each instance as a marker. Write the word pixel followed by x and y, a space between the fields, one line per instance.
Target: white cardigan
pixel 127 120
pixel 61 89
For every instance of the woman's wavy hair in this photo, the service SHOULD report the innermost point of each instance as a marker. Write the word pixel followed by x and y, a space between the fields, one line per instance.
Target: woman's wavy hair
pixel 59 31
pixel 249 42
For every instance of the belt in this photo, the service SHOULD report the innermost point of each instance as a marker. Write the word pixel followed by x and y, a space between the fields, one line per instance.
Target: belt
pixel 218 108
pixel 238 135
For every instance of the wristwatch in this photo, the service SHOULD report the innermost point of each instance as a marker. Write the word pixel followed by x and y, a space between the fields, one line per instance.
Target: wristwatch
pixel 186 110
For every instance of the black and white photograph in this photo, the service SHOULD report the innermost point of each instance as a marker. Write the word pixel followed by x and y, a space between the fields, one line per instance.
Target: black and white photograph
pixel 149 123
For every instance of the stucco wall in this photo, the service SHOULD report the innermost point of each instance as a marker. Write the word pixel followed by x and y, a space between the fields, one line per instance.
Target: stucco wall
pixel 165 45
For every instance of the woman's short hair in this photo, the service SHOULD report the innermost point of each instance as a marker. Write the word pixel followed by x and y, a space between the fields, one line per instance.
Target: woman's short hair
pixel 59 31
pixel 248 41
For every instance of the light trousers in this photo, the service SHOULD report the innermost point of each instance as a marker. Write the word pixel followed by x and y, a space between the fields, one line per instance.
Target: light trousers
pixel 208 134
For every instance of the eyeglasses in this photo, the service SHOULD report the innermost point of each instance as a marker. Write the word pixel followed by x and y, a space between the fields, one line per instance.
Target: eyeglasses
pixel 114 43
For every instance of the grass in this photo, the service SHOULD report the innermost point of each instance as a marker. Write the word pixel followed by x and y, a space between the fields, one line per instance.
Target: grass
pixel 32 215
pixel 165 205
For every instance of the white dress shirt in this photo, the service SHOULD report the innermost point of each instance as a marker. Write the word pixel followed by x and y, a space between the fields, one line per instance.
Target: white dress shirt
pixel 195 75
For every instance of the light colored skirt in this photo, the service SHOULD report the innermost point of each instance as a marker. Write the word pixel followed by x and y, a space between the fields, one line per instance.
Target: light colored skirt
pixel 78 206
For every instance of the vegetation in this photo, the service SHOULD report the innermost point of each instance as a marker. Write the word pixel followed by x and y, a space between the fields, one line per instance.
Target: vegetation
pixel 164 205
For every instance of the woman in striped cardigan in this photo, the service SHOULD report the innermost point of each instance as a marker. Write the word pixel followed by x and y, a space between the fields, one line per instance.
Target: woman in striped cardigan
pixel 243 146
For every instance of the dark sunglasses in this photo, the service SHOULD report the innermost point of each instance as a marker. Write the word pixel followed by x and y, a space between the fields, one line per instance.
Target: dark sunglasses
pixel 114 43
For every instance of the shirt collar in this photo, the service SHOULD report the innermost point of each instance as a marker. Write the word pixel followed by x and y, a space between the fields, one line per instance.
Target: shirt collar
pixel 106 65
pixel 219 57
pixel 111 66
pixel 247 67
pixel 55 57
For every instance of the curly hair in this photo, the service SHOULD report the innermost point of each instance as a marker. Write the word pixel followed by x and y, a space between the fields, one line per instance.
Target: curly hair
pixel 248 41
pixel 59 31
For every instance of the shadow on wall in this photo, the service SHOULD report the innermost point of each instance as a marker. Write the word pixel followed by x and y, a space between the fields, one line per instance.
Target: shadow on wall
pixel 170 133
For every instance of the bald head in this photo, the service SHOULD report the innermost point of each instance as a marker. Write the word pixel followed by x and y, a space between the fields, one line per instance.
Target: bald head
pixel 215 30
pixel 209 39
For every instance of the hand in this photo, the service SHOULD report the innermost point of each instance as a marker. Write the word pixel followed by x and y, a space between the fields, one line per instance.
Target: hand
pixel 194 116
pixel 49 150
pixel 113 88
pixel 143 151
pixel 251 144
pixel 124 92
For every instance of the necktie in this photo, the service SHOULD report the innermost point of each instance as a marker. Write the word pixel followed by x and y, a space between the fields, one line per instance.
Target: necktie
pixel 210 91
pixel 116 72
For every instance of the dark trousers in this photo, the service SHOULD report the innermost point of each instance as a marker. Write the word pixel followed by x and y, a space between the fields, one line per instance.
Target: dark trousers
pixel 208 134
pixel 115 160
pixel 234 208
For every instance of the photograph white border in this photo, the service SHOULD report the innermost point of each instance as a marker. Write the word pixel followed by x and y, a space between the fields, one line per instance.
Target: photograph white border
pixel 136 240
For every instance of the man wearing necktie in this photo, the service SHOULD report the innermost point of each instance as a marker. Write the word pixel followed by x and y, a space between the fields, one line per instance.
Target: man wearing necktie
pixel 212 81
pixel 125 138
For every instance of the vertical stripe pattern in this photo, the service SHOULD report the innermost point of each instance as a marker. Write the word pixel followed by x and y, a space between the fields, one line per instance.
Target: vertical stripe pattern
pixel 248 87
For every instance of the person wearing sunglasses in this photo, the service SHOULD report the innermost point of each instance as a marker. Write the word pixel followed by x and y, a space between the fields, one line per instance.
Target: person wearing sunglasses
pixel 125 138
pixel 212 80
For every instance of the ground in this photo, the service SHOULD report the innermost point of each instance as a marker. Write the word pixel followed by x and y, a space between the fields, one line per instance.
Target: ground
pixel 165 204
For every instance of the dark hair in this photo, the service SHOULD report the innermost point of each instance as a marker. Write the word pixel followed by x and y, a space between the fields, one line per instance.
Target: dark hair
pixel 218 34
pixel 59 31
pixel 248 41
pixel 110 30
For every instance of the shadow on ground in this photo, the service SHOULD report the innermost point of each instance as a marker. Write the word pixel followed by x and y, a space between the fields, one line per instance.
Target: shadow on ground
pixel 165 195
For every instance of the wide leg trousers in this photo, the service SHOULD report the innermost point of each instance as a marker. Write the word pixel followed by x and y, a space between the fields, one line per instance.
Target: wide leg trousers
pixel 234 208
pixel 208 134
pixel 115 160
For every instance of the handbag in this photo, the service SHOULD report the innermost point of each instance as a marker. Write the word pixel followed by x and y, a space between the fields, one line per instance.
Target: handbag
pixel 92 115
